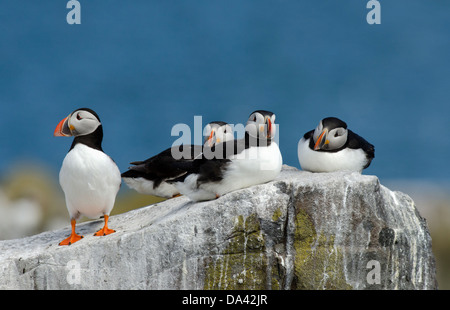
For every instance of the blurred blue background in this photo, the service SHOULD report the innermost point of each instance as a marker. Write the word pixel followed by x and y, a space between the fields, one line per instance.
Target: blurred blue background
pixel 145 66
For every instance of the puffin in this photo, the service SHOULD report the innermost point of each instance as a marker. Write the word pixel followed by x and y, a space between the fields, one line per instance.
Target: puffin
pixel 252 160
pixel 150 176
pixel 331 146
pixel 89 178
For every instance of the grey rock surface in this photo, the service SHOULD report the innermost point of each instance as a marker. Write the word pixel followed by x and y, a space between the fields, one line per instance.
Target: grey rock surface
pixel 300 231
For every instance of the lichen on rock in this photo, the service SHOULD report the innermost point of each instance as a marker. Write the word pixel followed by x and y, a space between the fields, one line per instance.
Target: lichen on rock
pixel 318 263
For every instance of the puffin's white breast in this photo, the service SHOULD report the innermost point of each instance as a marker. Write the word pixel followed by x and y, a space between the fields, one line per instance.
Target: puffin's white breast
pixel 90 180
pixel 146 187
pixel 254 165
pixel 346 159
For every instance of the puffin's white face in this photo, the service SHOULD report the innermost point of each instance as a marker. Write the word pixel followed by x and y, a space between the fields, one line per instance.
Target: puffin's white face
pixel 261 124
pixel 79 123
pixel 330 134
pixel 217 133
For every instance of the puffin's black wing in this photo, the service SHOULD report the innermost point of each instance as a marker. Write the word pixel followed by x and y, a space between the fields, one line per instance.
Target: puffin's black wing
pixel 146 165
pixel 212 170
pixel 208 170
pixel 209 165
pixel 355 141
pixel 163 166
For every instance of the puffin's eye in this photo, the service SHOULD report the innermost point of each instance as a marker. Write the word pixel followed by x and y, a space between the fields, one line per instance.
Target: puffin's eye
pixel 79 117
pixel 339 132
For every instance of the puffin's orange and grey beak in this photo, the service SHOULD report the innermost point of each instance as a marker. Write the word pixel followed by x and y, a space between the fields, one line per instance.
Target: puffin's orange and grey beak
pixel 322 140
pixel 269 128
pixel 63 129
pixel 210 139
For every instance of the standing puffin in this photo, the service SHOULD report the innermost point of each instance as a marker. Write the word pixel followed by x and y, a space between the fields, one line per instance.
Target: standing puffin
pixel 333 147
pixel 150 176
pixel 89 178
pixel 255 159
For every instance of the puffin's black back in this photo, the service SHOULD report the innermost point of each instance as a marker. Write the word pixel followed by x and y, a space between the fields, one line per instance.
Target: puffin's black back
pixel 355 141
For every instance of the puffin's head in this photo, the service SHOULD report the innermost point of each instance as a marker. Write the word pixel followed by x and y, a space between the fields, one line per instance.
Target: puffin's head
pixel 330 134
pixel 217 132
pixel 261 124
pixel 80 122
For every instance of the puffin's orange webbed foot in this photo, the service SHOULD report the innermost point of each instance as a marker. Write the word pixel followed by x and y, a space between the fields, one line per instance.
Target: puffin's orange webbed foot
pixel 105 230
pixel 72 239
pixel 73 236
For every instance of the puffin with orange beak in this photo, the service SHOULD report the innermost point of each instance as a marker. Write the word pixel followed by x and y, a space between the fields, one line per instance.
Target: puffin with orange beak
pixel 89 178
pixel 255 159
pixel 332 147
pixel 151 176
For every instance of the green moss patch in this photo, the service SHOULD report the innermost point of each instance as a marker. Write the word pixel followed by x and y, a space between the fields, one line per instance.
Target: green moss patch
pixel 318 263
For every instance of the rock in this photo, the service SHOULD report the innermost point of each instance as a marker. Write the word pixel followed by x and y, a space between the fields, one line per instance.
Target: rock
pixel 300 231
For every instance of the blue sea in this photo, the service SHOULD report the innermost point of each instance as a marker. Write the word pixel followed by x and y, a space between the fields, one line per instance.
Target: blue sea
pixel 145 66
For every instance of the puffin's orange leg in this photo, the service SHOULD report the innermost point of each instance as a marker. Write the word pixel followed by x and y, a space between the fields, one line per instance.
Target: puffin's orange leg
pixel 176 195
pixel 105 230
pixel 73 237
